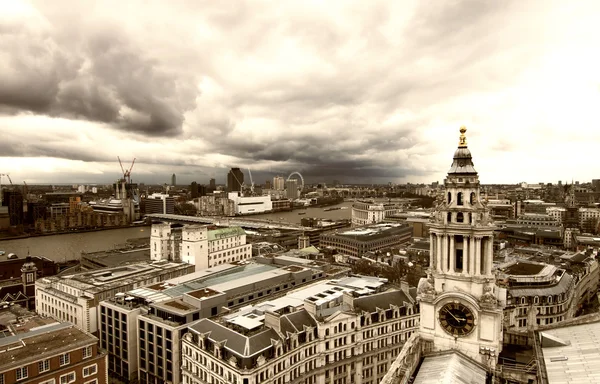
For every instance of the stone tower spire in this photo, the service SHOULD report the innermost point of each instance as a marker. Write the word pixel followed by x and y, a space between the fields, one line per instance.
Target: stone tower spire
pixel 460 303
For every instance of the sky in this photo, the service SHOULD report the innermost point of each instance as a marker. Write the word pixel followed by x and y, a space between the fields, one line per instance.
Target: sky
pixel 356 91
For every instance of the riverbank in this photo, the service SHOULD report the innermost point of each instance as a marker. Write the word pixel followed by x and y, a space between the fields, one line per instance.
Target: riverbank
pixel 70 232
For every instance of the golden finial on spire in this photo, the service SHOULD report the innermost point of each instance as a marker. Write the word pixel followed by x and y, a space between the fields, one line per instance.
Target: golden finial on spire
pixel 462 142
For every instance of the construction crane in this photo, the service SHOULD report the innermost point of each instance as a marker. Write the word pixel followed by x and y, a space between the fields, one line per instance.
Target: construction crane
pixel 251 182
pixel 126 173
pixel 11 183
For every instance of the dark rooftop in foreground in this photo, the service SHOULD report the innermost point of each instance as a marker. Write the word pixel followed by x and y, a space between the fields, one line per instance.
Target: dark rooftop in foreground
pixel 524 268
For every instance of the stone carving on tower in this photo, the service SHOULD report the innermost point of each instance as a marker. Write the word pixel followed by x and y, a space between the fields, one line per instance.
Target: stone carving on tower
pixel 460 304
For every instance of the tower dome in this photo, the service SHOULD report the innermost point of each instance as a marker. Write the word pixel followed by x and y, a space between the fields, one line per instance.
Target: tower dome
pixel 462 163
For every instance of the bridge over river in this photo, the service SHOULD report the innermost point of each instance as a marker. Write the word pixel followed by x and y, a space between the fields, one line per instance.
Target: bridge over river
pixel 226 221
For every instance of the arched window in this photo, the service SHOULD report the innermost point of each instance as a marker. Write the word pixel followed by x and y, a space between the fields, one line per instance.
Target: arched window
pixel 459 198
pixel 522 300
pixel 549 299
pixel 536 300
pixel 459 217
pixel 470 218
pixel 449 197
pixel 449 218
pixel 472 198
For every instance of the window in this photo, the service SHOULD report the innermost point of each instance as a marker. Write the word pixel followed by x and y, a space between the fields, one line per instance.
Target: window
pixel 87 352
pixel 459 217
pixel 51 381
pixel 21 373
pixel 64 359
pixel 1 378
pixel 90 370
pixel 459 198
pixel 68 378
pixel 43 366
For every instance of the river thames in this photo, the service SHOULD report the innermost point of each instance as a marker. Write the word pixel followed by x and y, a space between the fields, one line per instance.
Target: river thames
pixel 69 246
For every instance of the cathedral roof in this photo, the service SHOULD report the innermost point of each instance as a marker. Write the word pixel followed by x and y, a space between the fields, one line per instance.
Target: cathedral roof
pixel 463 161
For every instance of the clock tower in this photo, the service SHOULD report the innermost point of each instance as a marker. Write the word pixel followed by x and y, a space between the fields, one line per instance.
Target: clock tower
pixel 459 301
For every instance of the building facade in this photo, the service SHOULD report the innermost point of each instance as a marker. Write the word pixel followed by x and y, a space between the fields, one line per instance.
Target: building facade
pixel 75 297
pixel 357 241
pixel 369 212
pixel 334 336
pixel 461 306
pixel 159 203
pixel 198 245
pixel 56 353
pixel 248 205
pixel 235 179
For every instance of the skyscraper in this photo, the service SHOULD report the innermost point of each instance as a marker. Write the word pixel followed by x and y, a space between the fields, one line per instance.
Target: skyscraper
pixel 278 183
pixel 235 179
pixel 14 201
pixel 194 190
pixel 212 185
pixel 292 189
pixel 173 180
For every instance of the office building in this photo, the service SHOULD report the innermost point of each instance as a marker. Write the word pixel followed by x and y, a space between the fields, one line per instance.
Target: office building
pixel 14 201
pixel 377 237
pixel 194 190
pixel 35 350
pixel 291 189
pixel 278 183
pixel 235 179
pixel 368 212
pixel 344 330
pixel 159 203
pixel 248 205
pixel 198 245
pixel 75 297
pixel 159 314
pixel 173 180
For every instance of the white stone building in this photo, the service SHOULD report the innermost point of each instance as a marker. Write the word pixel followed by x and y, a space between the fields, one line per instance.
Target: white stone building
pixel 247 205
pixel 198 245
pixel 370 212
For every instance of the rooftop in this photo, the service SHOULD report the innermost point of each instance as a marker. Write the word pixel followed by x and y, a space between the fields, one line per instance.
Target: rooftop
pixel 524 268
pixel 101 280
pixel 373 231
pixel 222 233
pixel 572 353
pixel 48 340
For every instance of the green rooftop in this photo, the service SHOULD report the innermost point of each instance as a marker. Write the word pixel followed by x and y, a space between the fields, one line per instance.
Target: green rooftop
pixel 223 233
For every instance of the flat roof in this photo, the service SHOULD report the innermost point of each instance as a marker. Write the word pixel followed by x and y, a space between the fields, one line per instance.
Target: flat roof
pixel 252 316
pixel 45 341
pixel 450 367
pixel 101 280
pixel 524 268
pixel 572 354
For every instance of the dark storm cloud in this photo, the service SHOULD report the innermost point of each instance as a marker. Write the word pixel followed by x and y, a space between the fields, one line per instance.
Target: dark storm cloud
pixel 104 79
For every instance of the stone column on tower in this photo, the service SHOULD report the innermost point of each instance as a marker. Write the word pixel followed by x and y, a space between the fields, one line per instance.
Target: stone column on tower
pixel 472 255
pixel 465 266
pixel 477 255
pixel 432 252
pixel 445 253
pixel 490 256
pixel 439 252
pixel 452 255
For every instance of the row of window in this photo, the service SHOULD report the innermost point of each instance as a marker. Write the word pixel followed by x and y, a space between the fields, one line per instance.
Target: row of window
pixel 22 373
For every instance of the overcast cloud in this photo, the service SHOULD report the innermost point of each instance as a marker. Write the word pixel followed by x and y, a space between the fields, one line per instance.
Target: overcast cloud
pixel 364 91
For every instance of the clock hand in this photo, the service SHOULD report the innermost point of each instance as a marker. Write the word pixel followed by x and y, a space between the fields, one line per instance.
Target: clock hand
pixel 455 318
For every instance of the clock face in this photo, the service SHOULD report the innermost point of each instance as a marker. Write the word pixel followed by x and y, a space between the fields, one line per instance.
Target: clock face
pixel 457 319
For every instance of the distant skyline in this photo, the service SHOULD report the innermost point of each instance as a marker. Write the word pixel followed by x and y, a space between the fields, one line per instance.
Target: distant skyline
pixel 361 92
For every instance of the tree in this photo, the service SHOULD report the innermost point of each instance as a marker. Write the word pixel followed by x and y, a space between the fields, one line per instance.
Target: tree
pixel 186 209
